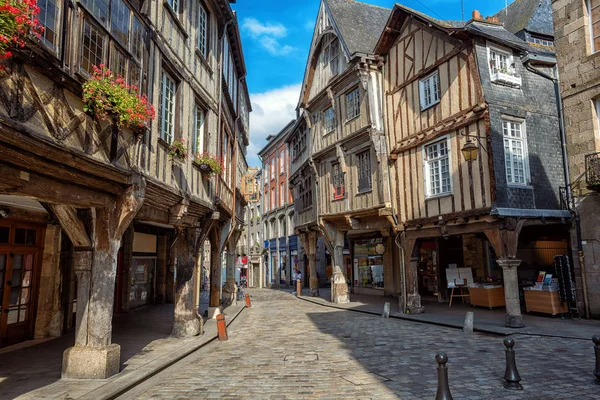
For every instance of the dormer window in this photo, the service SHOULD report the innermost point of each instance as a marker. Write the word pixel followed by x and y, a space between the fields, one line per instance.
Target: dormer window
pixel 502 67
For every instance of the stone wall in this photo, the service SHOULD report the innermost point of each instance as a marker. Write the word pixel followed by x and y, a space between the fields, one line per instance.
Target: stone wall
pixel 579 78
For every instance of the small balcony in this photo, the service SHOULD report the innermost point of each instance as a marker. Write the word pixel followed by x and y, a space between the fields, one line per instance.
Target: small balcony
pixel 592 171
pixel 506 78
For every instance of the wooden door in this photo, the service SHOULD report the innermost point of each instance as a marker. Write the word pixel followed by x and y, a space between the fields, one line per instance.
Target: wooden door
pixel 19 268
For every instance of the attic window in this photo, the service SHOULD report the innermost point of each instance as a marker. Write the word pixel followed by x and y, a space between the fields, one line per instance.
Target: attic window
pixel 542 41
pixel 502 67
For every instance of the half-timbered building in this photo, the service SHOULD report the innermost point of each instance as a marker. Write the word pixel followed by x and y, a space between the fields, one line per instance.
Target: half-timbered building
pixel 96 219
pixel 475 155
pixel 339 153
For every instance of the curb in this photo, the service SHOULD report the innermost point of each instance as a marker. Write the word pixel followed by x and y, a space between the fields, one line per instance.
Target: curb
pixel 443 324
pixel 106 392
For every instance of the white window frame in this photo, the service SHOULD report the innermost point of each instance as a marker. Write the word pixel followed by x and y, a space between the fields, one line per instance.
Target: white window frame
pixel 273 161
pixel 202 30
pixel 198 134
pixel 508 157
pixel 174 4
pixel 282 162
pixel 438 162
pixel 353 104
pixel 589 9
pixel 281 195
pixel 43 17
pixel 167 133
pixel 429 90
pixel 510 70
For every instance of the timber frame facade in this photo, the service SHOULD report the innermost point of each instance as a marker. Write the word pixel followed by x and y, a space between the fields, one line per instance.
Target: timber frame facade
pixel 447 83
pixel 339 173
pixel 99 194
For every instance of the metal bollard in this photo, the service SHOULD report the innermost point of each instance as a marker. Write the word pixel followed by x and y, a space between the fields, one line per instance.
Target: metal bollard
pixel 596 340
pixel 248 302
pixel 222 328
pixel 443 390
pixel 511 374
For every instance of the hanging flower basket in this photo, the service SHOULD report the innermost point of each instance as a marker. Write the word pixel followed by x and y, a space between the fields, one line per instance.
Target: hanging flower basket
pixel 209 164
pixel 17 21
pixel 109 97
pixel 177 151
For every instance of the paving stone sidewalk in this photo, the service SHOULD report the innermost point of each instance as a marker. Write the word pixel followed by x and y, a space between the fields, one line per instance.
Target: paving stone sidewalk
pixel 285 348
pixel 146 347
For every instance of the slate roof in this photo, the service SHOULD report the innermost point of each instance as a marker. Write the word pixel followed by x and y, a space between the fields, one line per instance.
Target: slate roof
pixel 496 33
pixel 359 24
pixel 531 15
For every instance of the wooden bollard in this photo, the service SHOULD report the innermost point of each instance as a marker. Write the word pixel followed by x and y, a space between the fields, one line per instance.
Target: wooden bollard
pixel 222 328
pixel 248 302
pixel 299 288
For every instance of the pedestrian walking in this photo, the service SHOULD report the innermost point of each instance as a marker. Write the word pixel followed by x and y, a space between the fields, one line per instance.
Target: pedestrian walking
pixel 294 277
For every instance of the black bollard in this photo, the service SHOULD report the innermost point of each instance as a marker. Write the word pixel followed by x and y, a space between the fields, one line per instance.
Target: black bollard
pixel 596 340
pixel 511 374
pixel 443 390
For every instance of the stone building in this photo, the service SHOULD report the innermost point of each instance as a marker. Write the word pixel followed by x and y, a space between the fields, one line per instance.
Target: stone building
pixel 281 245
pixel 338 152
pixel 252 234
pixel 577 44
pixel 475 154
pixel 97 219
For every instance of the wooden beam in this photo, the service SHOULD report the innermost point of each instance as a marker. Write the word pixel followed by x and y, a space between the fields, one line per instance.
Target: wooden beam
pixel 71 224
pixel 22 138
pixel 36 164
pixel 17 182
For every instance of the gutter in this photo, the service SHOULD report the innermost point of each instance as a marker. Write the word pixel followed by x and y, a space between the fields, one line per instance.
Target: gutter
pixel 563 141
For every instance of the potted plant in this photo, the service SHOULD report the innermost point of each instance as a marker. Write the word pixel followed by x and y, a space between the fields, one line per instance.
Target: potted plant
pixel 177 150
pixel 17 21
pixel 208 163
pixel 108 97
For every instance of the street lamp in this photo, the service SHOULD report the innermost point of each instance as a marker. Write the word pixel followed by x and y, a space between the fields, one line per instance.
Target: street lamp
pixel 470 151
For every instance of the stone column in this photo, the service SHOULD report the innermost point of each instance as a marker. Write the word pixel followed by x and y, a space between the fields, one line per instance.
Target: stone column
pixel 215 276
pixel 413 298
pixel 339 284
pixel 514 319
pixel 185 320
pixel 229 288
pixel 314 280
pixel 82 266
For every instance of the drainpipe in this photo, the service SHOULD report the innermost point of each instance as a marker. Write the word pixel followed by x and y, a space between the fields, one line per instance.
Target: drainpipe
pixel 563 141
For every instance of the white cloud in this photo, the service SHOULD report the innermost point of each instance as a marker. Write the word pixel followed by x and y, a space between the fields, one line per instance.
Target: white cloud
pixel 268 35
pixel 271 112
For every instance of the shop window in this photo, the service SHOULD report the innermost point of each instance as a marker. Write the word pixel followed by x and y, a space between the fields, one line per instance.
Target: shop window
pixel 49 17
pixel 515 152
pixel 429 91
pixel 337 181
pixel 364 171
pixel 368 263
pixel 437 169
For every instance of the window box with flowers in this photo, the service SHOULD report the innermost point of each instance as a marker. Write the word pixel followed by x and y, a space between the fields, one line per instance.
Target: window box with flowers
pixel 209 164
pixel 17 22
pixel 177 150
pixel 108 97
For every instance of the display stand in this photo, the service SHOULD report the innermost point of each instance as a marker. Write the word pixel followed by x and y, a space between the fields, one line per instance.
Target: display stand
pixel 544 301
pixel 487 297
pixel 462 293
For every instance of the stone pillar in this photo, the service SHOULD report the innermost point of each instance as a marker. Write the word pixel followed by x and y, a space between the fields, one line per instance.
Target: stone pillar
pixel 314 280
pixel 161 269
pixel 185 320
pixel 413 298
pixel 215 275
pixel 229 288
pixel 514 319
pixel 339 284
pixel 94 356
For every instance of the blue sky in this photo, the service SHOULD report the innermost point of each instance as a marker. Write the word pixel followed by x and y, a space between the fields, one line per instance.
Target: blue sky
pixel 276 36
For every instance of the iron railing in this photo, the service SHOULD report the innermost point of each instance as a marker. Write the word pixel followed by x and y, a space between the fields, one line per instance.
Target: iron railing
pixel 592 171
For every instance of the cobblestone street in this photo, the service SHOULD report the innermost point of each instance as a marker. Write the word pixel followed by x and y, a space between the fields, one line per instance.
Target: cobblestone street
pixel 285 348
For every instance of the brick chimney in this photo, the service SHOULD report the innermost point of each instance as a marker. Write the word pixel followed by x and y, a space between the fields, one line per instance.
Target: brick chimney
pixel 476 15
